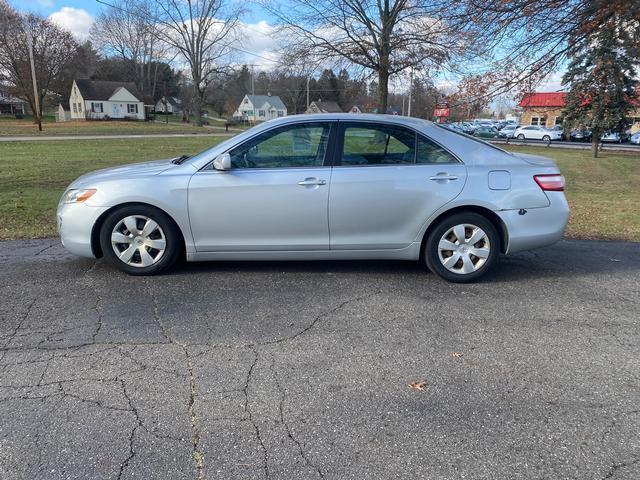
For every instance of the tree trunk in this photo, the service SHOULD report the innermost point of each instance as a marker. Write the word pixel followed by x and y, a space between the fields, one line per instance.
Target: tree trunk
pixel 198 101
pixel 383 90
pixel 594 144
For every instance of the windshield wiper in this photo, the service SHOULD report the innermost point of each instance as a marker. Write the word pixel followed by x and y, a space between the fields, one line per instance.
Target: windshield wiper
pixel 179 160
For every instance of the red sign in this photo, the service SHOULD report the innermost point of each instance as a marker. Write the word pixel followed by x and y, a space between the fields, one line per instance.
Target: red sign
pixel 441 112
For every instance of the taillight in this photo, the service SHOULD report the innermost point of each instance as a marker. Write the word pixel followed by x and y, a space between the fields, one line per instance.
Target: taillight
pixel 553 182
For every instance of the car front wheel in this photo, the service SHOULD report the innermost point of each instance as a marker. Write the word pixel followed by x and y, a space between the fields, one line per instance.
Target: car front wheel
pixel 461 248
pixel 546 138
pixel 521 137
pixel 140 240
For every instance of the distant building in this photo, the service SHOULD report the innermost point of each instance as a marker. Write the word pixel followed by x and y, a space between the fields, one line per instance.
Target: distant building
pixel 62 112
pixel 355 109
pixel 542 108
pixel 97 99
pixel 10 105
pixel 171 105
pixel 259 108
pixel 320 106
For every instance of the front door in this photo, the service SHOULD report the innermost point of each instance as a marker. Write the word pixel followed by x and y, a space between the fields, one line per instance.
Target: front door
pixel 274 197
pixel 115 110
pixel 387 183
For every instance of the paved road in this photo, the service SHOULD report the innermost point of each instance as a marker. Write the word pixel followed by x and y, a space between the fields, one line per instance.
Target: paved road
pixel 611 147
pixel 21 138
pixel 301 370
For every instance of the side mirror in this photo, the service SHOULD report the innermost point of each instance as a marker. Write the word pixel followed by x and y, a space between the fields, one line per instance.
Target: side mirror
pixel 222 162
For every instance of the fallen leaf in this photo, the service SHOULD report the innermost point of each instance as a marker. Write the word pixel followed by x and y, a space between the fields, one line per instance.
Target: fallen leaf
pixel 418 385
pixel 456 354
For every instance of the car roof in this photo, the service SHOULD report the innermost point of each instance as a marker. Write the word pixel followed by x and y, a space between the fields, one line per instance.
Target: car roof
pixel 417 123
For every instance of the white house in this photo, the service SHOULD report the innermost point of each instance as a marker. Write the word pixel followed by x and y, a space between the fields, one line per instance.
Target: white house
pixel 172 104
pixel 320 106
pixel 97 99
pixel 10 104
pixel 258 108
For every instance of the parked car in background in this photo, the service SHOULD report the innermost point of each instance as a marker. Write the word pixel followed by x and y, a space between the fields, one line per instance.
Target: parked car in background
pixel 469 128
pixel 486 132
pixel 580 135
pixel 559 129
pixel 534 132
pixel 635 138
pixel 396 188
pixel 508 131
pixel 614 137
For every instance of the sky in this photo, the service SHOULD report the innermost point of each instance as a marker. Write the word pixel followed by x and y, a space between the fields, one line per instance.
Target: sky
pixel 77 16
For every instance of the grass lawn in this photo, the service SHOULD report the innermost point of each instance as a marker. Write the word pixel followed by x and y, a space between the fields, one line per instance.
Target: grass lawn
pixel 604 193
pixel 13 127
pixel 33 175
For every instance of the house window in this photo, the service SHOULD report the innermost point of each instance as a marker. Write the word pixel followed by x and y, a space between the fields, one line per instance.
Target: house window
pixel 248 113
pixel 96 107
pixel 132 108
pixel 535 121
pixel 280 113
pixel 246 100
pixel 261 113
pixel 558 121
pixel 75 108
pixel 80 107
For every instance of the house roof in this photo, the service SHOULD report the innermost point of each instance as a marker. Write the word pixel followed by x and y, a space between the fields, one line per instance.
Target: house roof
pixel 544 99
pixel 171 101
pixel 328 106
pixel 103 90
pixel 274 101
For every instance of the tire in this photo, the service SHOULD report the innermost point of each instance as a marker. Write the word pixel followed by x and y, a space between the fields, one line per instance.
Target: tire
pixel 520 136
pixel 139 246
pixel 476 266
pixel 546 138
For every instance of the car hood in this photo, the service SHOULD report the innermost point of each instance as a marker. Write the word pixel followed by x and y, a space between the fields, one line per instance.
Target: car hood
pixel 124 171
pixel 537 160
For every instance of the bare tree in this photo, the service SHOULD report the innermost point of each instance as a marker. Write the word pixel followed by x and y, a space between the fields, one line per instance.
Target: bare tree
pixel 201 31
pixel 53 49
pixel 128 31
pixel 383 36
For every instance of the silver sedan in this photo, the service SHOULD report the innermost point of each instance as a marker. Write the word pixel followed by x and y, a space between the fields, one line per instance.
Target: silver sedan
pixel 320 187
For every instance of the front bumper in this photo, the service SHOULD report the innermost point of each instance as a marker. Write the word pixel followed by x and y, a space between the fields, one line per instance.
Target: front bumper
pixel 75 224
pixel 538 227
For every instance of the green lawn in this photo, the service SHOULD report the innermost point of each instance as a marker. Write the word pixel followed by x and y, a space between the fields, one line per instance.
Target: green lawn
pixel 604 193
pixel 33 175
pixel 12 127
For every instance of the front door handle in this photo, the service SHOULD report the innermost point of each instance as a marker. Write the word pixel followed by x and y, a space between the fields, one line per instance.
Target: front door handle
pixel 311 181
pixel 443 176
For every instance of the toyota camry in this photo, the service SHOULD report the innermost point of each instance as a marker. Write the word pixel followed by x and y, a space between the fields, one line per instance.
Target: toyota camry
pixel 321 187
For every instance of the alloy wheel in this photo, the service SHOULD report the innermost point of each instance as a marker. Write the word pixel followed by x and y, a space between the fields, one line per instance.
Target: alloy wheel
pixel 138 241
pixel 464 248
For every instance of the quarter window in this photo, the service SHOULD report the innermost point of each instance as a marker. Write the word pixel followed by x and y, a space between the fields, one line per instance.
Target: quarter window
pixel 291 146
pixel 428 152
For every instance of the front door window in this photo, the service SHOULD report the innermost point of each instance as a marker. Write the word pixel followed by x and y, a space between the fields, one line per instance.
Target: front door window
pixel 291 146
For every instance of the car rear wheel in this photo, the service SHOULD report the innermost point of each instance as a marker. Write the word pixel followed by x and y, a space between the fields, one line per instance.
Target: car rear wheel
pixel 521 136
pixel 461 248
pixel 140 240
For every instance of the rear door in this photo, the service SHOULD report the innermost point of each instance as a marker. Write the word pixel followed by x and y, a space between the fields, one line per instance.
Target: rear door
pixel 386 182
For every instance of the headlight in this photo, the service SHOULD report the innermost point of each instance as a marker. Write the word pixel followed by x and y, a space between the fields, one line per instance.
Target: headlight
pixel 78 196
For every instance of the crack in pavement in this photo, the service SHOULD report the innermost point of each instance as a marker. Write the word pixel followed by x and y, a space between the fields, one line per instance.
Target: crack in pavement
pixel 247 409
pixel 132 435
pixel 617 466
pixel 17 328
pixel 283 397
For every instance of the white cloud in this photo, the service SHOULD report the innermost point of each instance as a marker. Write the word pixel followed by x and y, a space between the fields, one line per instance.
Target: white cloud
pixel 76 20
pixel 553 83
pixel 259 39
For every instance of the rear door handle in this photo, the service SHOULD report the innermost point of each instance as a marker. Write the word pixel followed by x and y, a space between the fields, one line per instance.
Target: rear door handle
pixel 311 181
pixel 443 176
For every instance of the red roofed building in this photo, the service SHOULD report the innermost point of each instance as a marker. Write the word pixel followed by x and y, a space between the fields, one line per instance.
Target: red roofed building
pixel 545 109
pixel 542 108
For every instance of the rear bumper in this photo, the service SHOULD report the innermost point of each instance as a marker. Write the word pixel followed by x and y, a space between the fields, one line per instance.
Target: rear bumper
pixel 538 227
pixel 75 223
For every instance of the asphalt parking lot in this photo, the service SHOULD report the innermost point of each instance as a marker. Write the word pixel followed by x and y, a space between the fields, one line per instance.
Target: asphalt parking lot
pixel 301 370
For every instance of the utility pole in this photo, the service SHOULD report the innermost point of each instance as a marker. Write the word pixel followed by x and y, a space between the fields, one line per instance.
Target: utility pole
pixel 308 79
pixel 410 90
pixel 36 98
